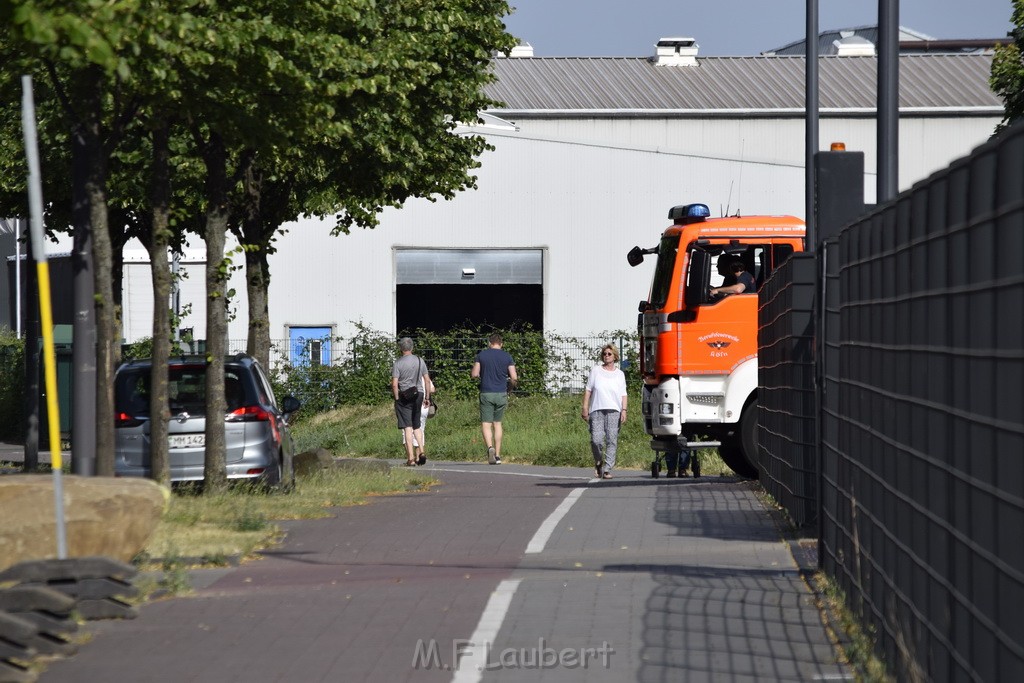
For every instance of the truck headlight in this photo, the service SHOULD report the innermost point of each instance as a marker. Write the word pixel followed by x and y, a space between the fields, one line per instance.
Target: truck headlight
pixel 667 409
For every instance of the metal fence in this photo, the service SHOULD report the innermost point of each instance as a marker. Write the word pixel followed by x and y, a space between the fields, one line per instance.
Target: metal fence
pixel 787 413
pixel 923 421
pixel 568 359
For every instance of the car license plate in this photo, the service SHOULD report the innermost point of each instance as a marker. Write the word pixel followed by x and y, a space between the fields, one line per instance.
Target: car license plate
pixel 187 440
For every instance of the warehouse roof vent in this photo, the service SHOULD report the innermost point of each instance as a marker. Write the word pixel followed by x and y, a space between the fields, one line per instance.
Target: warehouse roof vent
pixel 676 52
pixel 852 45
pixel 523 49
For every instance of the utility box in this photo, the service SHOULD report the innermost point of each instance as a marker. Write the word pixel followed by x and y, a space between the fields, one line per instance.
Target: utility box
pixel 839 191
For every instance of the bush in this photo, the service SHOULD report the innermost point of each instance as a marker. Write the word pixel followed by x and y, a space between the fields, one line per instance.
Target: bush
pixel 12 387
pixel 546 365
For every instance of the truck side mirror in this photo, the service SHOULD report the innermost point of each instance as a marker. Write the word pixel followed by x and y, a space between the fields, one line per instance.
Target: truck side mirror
pixel 636 255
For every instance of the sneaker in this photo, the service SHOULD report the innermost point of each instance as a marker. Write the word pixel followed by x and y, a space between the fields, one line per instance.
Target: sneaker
pixel 492 456
pixel 497 460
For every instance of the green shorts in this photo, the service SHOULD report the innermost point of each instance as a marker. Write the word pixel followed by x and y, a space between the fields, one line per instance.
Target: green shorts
pixel 492 406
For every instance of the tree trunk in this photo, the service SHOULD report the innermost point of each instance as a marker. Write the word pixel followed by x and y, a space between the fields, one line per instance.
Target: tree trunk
pixel 106 325
pixel 119 236
pixel 215 469
pixel 257 271
pixel 157 243
pixel 257 281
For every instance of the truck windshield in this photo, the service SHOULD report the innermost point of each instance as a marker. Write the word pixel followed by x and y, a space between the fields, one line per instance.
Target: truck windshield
pixel 667 251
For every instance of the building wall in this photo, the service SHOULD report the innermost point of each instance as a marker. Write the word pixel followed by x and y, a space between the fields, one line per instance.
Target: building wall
pixel 585 191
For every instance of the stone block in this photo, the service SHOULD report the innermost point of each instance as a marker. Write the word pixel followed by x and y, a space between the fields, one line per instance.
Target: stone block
pixel 103 516
pixel 309 462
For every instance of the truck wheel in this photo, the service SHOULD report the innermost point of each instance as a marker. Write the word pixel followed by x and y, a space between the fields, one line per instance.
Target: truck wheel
pixel 748 439
pixel 734 449
pixel 732 455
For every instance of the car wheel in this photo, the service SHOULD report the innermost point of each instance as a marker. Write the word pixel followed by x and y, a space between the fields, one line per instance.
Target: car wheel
pixel 273 476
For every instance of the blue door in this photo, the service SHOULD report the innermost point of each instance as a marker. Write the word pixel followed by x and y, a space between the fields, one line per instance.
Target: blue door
pixel 310 345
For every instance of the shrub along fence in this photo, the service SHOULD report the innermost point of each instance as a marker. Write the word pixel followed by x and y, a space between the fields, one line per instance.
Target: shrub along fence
pixel 12 387
pixel 358 368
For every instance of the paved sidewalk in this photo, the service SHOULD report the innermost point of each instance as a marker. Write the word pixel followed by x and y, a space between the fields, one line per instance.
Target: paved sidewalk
pixel 506 573
pixel 687 580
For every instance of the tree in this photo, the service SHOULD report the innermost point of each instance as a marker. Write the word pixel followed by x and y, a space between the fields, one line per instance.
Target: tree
pixel 386 107
pixel 78 48
pixel 1007 78
pixel 315 107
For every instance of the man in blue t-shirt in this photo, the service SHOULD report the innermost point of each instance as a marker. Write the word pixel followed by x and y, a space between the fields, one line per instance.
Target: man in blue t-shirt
pixel 496 371
pixel 738 280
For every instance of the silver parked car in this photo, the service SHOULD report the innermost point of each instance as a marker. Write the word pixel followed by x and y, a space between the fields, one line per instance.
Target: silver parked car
pixel 258 442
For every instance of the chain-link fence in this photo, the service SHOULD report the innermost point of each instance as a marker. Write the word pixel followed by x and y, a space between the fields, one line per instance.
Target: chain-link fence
pixel 546 362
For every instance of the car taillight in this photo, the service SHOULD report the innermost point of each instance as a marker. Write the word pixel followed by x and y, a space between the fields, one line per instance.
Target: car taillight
pixel 249 414
pixel 125 420
pixel 254 414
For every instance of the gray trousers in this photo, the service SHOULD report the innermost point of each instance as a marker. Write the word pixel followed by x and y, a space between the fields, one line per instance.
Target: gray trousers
pixel 604 436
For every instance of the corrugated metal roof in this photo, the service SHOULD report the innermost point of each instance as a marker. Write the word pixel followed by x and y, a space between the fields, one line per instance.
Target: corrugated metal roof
pixel 610 85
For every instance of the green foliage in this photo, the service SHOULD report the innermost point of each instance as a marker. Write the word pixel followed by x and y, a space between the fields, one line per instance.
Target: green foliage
pixel 363 376
pixel 1007 79
pixel 545 363
pixel 12 387
pixel 143 348
pixel 450 357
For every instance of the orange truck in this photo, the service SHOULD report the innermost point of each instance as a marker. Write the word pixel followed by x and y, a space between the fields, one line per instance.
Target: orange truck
pixel 698 345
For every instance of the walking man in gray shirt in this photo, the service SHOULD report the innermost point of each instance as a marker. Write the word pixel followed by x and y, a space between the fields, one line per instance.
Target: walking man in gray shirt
pixel 405 381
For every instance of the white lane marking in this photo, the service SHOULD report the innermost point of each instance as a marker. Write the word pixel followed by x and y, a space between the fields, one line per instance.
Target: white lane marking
pixel 540 538
pixel 470 667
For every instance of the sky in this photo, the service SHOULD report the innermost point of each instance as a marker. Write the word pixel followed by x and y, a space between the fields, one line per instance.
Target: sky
pixel 630 28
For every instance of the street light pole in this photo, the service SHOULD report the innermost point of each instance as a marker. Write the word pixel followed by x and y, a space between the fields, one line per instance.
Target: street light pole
pixel 888 99
pixel 811 122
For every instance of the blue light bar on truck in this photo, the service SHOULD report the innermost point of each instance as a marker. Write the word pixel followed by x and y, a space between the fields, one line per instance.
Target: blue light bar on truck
pixel 688 213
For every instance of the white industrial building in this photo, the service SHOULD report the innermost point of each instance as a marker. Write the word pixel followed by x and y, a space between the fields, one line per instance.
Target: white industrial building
pixel 589 155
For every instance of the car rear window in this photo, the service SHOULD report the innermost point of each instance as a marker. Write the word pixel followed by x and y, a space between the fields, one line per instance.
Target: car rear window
pixel 186 389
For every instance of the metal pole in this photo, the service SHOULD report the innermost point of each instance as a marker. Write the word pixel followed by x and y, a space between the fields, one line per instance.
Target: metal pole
pixel 83 353
pixel 35 203
pixel 176 298
pixel 888 99
pixel 811 124
pixel 19 227
pixel 31 463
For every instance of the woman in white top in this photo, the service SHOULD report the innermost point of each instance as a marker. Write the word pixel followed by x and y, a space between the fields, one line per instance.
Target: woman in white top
pixel 604 408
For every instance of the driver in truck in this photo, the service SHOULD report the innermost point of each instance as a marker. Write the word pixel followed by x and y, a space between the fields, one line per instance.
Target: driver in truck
pixel 737 279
